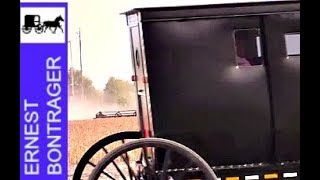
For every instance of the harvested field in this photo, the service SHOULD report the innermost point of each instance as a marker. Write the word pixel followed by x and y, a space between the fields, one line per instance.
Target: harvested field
pixel 84 133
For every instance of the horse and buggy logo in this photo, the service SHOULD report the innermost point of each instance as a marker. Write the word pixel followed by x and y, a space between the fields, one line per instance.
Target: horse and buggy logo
pixel 33 22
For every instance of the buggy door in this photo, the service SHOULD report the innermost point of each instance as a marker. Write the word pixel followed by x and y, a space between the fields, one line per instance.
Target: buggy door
pixel 282 40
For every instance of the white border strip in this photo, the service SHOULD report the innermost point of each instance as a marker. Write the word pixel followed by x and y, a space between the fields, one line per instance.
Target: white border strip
pixel 252 177
pixel 288 175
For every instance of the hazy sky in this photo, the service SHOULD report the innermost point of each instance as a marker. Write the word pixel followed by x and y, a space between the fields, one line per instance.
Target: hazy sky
pixel 105 44
pixel 104 35
pixel 105 41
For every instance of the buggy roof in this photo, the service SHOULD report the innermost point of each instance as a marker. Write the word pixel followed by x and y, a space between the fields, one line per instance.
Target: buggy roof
pixel 186 4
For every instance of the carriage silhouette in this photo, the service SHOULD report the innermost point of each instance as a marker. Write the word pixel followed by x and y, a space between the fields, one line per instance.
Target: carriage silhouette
pixel 33 22
pixel 202 113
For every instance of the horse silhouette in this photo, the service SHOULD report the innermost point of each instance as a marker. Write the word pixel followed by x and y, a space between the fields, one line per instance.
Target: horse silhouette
pixel 53 24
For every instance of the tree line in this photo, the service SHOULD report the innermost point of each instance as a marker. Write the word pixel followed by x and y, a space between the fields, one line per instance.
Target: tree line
pixel 116 91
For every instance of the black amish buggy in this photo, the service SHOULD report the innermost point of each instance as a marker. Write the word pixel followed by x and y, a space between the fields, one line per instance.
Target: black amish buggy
pixel 32 21
pixel 218 90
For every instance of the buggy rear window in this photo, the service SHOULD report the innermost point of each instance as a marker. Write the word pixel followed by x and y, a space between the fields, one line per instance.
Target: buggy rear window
pixel 248 47
pixel 292 44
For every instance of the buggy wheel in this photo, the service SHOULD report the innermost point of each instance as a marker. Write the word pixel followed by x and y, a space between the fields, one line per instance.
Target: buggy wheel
pixel 152 159
pixel 85 161
pixel 39 29
pixel 26 30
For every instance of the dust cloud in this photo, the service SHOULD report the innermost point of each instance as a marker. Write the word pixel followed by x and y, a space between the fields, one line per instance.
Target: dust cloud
pixel 79 109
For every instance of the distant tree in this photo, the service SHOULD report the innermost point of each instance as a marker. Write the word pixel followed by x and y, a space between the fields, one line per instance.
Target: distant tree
pixel 119 91
pixel 89 90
